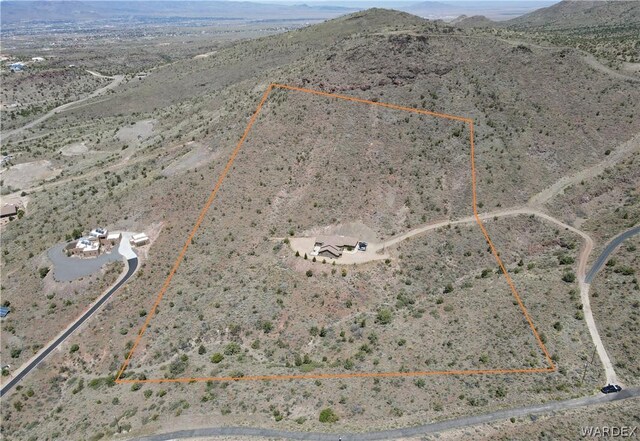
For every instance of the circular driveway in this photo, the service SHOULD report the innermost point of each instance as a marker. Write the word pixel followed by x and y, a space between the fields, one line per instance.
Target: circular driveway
pixel 66 269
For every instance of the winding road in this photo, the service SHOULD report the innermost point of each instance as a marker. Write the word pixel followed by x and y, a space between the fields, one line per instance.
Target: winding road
pixel 25 369
pixel 405 432
pixel 608 249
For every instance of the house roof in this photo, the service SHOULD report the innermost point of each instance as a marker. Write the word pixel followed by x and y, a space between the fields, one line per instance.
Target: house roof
pixel 330 249
pixel 8 210
pixel 337 241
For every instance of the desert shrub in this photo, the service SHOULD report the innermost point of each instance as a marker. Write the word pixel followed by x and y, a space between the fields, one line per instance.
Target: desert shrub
pixel 267 327
pixel 177 367
pixel 384 316
pixel 565 260
pixel 232 349
pixel 328 416
pixel 625 270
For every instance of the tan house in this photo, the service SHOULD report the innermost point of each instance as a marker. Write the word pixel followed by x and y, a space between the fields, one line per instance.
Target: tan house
pixel 114 238
pixel 111 240
pixel 139 239
pixel 8 210
pixel 333 246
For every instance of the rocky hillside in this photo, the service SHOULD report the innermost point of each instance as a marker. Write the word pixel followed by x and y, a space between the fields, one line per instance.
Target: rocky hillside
pixel 571 14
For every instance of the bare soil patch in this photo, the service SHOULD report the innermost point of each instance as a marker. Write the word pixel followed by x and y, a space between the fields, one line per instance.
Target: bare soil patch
pixel 26 174
pixel 75 149
pixel 136 132
pixel 198 156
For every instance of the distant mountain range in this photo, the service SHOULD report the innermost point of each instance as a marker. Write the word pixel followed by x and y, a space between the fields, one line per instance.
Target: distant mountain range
pixel 497 10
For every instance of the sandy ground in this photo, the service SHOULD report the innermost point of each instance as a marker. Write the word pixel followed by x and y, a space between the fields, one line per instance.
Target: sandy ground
pixel 75 149
pixel 25 174
pixel 197 156
pixel 631 67
pixel 206 55
pixel 305 245
pixel 137 132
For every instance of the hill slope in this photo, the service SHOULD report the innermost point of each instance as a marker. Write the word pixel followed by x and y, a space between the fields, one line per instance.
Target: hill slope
pixel 312 165
pixel 571 14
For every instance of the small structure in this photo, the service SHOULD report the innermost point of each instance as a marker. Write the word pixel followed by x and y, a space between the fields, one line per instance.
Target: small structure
pixel 37 59
pixel 17 67
pixel 4 310
pixel 5 159
pixel 333 246
pixel 139 239
pixel 114 239
pixel 100 233
pixel 8 210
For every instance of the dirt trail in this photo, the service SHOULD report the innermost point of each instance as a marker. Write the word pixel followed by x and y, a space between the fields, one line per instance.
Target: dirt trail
pixel 559 186
pixel 99 75
pixel 117 79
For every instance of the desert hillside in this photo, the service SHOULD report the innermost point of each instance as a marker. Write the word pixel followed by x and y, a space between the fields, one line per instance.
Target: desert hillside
pixel 146 155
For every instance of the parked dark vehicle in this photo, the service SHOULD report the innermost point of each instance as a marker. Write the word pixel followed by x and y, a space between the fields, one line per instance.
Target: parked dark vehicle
pixel 611 388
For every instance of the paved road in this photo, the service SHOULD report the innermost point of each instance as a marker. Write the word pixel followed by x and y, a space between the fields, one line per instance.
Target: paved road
pixel 34 362
pixel 610 248
pixel 414 431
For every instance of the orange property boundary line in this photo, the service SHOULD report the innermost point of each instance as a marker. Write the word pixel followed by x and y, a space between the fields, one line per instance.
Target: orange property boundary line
pixel 212 196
